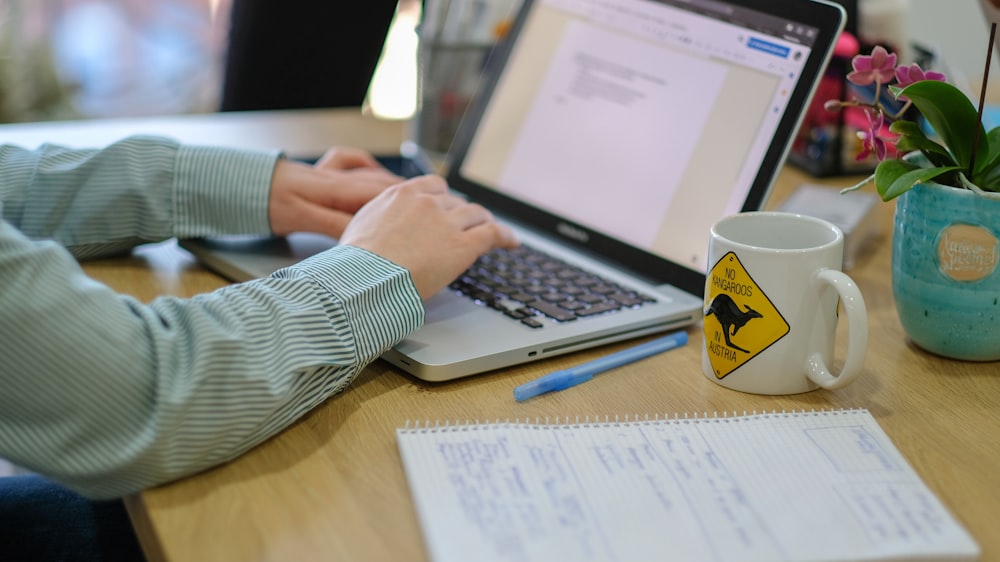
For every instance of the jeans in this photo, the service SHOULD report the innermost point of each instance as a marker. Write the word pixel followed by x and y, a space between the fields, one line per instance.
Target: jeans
pixel 40 520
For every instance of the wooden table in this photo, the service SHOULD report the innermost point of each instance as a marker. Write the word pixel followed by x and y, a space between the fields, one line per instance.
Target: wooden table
pixel 332 486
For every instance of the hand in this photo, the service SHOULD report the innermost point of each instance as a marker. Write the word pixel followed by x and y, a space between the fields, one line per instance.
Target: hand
pixel 433 234
pixel 324 197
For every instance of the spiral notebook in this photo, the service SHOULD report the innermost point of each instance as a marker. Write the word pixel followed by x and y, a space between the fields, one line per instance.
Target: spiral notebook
pixel 819 485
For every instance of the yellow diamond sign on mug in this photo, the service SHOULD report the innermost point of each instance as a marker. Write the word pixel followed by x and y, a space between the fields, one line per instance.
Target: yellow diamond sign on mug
pixel 740 321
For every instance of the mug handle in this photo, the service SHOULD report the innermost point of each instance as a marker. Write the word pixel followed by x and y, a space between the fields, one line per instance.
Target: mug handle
pixel 857 334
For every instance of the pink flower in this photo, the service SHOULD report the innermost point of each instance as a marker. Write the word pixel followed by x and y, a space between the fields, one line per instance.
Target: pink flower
pixel 872 141
pixel 879 67
pixel 906 75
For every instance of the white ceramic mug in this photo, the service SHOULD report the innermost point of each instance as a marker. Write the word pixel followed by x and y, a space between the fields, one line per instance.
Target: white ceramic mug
pixel 771 305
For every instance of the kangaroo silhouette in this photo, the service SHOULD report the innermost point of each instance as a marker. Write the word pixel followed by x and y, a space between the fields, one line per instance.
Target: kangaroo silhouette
pixel 729 315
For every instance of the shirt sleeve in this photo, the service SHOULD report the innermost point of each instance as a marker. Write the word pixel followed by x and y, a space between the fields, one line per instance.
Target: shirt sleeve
pixel 140 189
pixel 109 395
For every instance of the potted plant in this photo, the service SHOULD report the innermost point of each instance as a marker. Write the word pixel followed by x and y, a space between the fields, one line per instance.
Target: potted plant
pixel 946 184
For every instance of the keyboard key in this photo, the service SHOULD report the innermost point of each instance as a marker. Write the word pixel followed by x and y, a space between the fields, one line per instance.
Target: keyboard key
pixel 523 282
pixel 552 311
pixel 601 307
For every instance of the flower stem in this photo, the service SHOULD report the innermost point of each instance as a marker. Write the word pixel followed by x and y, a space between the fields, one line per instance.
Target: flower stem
pixel 982 99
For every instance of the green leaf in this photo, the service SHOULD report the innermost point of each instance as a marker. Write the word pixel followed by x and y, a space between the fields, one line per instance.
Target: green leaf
pixel 988 174
pixel 990 180
pixel 953 117
pixel 934 151
pixel 886 174
pixel 912 138
pixel 895 177
pixel 993 140
pixel 908 128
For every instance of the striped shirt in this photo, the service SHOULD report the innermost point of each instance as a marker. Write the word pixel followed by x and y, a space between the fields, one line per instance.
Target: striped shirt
pixel 109 395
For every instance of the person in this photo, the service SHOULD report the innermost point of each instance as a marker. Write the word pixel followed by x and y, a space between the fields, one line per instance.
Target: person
pixel 104 395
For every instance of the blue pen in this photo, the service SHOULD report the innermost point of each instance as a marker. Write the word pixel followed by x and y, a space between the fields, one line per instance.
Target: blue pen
pixel 573 376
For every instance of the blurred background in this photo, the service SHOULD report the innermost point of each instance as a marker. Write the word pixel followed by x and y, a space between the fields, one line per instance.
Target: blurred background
pixel 73 59
pixel 78 59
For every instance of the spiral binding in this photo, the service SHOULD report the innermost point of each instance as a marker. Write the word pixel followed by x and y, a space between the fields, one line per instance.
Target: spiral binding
pixel 431 426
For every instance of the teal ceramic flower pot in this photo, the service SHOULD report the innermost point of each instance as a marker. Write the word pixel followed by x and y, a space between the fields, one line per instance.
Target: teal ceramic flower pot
pixel 945 278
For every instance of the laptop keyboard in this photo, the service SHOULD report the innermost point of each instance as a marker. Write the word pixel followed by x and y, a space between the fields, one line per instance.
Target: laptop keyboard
pixel 529 286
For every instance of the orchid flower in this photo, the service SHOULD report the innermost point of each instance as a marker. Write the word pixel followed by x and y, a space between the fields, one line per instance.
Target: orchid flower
pixel 872 141
pixel 906 75
pixel 878 68
pixel 945 144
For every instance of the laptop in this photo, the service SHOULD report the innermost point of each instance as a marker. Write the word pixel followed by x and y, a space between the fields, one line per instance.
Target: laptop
pixel 609 134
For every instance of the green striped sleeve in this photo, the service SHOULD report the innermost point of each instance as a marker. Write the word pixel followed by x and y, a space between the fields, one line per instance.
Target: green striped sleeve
pixel 110 396
pixel 140 189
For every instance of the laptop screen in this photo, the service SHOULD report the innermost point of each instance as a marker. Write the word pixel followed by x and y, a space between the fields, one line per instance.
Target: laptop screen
pixel 631 126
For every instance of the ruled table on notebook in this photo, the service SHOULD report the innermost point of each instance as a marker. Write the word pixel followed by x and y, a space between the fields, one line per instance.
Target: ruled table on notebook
pixel 821 485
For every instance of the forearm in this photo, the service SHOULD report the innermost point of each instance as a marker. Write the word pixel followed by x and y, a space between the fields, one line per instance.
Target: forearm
pixel 110 396
pixel 141 189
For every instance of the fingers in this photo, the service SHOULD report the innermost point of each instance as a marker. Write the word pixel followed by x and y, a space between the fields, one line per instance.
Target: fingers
pixel 326 221
pixel 467 215
pixel 487 234
pixel 498 235
pixel 431 184
pixel 478 225
pixel 422 227
pixel 372 175
pixel 346 158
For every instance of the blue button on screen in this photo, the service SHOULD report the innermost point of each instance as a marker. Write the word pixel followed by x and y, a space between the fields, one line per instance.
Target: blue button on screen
pixel 768 47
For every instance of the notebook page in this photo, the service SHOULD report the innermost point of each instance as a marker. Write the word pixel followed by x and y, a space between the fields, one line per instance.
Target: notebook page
pixel 824 485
